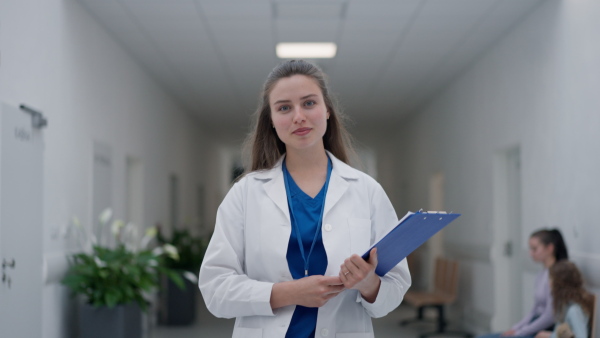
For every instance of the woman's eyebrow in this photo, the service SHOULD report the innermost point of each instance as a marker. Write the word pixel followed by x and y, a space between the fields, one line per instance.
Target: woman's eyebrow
pixel 307 96
pixel 302 98
pixel 281 101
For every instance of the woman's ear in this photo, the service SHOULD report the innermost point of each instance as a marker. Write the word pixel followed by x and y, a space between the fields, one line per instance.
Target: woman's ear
pixel 550 247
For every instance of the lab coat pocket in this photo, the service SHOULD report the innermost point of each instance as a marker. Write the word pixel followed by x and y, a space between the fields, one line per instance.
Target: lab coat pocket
pixel 360 235
pixel 355 335
pixel 247 332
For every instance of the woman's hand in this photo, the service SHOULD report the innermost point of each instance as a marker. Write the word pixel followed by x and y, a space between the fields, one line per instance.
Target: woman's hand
pixel 508 333
pixel 358 274
pixel 311 291
pixel 543 334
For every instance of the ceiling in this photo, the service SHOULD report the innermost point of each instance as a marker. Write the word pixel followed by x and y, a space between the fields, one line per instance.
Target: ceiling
pixel 212 56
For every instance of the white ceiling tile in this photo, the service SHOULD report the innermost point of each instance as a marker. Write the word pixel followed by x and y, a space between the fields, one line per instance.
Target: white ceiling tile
pixel 163 10
pixel 219 9
pixel 362 26
pixel 306 35
pixel 246 47
pixel 308 10
pixel 180 30
pixel 242 26
pixel 361 45
pixel 382 10
pixel 450 17
pixel 112 15
pixel 182 41
pixel 306 30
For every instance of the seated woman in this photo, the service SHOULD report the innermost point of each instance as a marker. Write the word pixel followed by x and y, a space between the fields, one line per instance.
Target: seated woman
pixel 572 303
pixel 545 247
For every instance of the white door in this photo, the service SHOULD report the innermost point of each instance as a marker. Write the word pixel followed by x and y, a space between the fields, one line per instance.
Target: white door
pixel 21 187
pixel 507 253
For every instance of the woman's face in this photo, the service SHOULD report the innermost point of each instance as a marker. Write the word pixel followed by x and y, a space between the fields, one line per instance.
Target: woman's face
pixel 298 112
pixel 538 251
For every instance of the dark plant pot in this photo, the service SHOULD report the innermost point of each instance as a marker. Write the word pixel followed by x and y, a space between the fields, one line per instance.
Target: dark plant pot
pixel 122 321
pixel 178 307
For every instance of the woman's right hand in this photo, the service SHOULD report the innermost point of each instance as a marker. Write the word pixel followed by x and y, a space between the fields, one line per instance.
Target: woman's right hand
pixel 311 291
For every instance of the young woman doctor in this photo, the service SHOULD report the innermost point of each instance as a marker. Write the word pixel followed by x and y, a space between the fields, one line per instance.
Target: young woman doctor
pixel 284 259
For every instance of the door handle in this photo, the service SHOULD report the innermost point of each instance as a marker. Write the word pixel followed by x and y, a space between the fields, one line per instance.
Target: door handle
pixel 8 263
pixel 508 249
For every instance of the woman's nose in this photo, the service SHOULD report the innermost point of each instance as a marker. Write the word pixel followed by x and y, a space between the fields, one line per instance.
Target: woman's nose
pixel 299 115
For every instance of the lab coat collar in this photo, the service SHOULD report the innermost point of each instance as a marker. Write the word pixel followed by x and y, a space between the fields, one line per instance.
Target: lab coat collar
pixel 275 188
pixel 339 168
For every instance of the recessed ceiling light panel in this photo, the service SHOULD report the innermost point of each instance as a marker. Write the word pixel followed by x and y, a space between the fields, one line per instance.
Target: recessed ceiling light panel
pixel 306 50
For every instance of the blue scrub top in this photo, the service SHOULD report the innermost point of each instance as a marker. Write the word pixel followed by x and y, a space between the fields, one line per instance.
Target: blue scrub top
pixel 306 212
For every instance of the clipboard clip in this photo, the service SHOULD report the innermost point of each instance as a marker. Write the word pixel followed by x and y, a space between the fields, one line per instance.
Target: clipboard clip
pixel 433 212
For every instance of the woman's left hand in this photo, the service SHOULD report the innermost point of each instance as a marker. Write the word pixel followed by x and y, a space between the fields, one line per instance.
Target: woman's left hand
pixel 358 274
pixel 544 334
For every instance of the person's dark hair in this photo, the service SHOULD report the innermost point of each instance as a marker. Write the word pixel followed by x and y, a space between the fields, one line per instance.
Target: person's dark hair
pixel 264 146
pixel 567 287
pixel 554 237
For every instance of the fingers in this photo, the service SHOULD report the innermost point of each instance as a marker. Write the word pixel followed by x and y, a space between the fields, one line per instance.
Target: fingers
pixel 355 267
pixel 355 270
pixel 373 259
pixel 331 280
pixel 316 290
pixel 335 289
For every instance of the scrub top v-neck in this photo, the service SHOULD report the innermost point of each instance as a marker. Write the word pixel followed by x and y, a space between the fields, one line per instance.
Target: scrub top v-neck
pixel 307 213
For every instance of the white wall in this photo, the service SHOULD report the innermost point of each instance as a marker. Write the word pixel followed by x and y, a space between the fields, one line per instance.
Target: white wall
pixel 56 58
pixel 536 88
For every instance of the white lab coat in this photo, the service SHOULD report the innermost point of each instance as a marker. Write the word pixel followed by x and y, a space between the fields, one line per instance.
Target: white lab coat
pixel 247 254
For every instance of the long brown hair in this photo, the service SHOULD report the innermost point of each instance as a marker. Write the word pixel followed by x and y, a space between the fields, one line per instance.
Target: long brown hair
pixel 567 287
pixel 264 146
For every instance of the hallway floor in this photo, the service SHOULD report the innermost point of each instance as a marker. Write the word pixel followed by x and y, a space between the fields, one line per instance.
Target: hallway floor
pixel 207 326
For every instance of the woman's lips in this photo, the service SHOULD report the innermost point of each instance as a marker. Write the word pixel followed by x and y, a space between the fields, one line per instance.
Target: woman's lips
pixel 302 131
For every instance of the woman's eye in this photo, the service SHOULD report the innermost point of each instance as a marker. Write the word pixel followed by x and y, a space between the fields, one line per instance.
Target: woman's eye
pixel 284 108
pixel 309 103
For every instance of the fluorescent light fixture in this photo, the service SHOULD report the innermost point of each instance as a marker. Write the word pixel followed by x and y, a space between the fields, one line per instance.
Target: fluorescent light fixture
pixel 311 50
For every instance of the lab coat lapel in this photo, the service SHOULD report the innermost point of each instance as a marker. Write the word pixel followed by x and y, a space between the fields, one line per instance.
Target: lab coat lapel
pixel 338 183
pixel 337 187
pixel 275 189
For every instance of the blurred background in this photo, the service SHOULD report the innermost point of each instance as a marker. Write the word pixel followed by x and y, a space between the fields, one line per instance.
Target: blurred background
pixel 488 108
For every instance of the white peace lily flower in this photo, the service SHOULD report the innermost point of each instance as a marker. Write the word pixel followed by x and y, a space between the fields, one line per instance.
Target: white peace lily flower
pixel 130 229
pixel 150 234
pixel 93 240
pixel 76 222
pixel 190 276
pixel 116 227
pixel 105 216
pixel 157 251
pixel 99 262
pixel 129 236
pixel 82 235
pixel 171 251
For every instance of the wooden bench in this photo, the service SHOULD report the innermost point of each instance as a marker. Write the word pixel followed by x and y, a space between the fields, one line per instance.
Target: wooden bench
pixel 444 293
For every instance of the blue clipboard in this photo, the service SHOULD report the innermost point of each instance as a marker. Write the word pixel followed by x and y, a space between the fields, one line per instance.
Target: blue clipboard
pixel 412 231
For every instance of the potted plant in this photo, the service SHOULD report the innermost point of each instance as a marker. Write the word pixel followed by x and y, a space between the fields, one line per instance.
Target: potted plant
pixel 115 281
pixel 178 305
